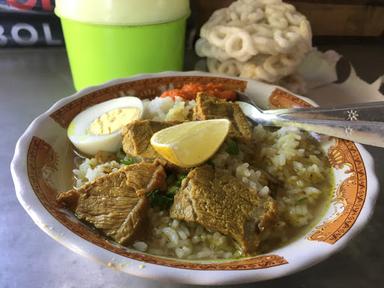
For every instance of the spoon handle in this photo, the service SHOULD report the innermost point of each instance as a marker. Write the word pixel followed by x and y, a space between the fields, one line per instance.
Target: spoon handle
pixel 358 123
pixel 371 111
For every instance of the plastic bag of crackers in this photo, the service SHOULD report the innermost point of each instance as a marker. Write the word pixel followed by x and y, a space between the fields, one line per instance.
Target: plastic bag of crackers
pixel 259 39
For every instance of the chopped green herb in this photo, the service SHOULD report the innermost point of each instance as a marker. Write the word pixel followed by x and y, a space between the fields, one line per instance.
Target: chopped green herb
pixel 301 201
pixel 232 147
pixel 180 179
pixel 173 189
pixel 128 160
pixel 157 199
pixel 163 200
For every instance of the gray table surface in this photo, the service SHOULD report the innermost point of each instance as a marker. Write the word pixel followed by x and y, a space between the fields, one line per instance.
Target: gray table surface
pixel 31 80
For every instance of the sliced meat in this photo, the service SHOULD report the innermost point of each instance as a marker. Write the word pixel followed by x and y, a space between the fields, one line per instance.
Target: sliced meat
pixel 137 136
pixel 220 202
pixel 146 177
pixel 115 203
pixel 208 107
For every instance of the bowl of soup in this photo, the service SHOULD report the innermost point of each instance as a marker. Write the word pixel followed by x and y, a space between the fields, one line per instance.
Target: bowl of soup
pixel 163 176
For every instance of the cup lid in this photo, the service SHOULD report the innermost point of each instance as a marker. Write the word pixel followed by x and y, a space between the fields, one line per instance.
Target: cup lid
pixel 122 12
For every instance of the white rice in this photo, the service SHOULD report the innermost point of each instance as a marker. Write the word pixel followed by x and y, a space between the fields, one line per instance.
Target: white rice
pixel 287 155
pixel 167 109
pixel 89 170
pixel 179 239
pixel 141 246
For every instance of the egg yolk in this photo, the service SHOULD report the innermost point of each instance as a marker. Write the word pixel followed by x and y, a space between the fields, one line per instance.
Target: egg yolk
pixel 113 120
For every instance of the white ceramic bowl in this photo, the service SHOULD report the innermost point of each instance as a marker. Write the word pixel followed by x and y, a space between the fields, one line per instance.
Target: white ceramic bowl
pixel 43 161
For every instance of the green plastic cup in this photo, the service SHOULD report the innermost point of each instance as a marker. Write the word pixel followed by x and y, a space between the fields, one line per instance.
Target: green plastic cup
pixel 103 46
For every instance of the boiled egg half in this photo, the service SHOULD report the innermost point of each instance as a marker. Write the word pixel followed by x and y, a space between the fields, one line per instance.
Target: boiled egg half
pixel 98 128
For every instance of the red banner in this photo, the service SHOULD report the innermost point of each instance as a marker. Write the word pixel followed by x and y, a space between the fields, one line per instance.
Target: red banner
pixel 29 23
pixel 30 5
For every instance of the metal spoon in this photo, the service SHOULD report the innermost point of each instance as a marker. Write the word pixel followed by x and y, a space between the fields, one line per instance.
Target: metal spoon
pixel 362 123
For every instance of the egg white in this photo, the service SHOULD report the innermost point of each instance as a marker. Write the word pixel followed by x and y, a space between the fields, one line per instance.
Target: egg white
pixel 90 144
